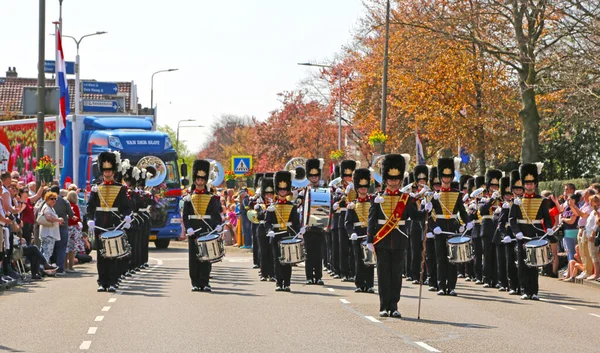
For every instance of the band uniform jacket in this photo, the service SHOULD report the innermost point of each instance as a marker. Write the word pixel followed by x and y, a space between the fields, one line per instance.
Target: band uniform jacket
pixel 448 209
pixel 357 218
pixel 284 221
pixel 201 210
pixel 527 218
pixel 379 214
pixel 108 204
pixel 500 219
pixel 486 210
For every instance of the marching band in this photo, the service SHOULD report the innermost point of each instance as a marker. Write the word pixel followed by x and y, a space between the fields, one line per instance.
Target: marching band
pixel 493 229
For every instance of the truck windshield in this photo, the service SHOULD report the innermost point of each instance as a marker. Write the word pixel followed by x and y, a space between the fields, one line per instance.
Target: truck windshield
pixel 172 178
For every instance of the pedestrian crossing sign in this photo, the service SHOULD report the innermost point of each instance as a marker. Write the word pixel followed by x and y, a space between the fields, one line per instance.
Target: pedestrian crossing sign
pixel 241 164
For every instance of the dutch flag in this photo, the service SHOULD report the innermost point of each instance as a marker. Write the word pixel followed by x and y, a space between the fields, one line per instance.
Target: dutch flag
pixel 64 104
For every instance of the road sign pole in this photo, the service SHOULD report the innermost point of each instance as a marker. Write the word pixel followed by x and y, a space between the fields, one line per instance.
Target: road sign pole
pixel 58 116
pixel 74 137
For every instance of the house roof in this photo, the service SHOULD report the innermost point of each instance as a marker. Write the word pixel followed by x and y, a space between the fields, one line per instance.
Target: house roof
pixel 11 92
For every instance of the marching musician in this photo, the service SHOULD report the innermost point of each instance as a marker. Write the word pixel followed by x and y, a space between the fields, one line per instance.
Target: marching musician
pixel 334 243
pixel 501 218
pixel 471 207
pixel 201 214
pixel 348 194
pixel 516 188
pixel 430 259
pixel 448 207
pixel 526 217
pixel 107 202
pixel 476 241
pixel 134 233
pixel 357 218
pixel 144 210
pixel 421 176
pixel 387 213
pixel 488 206
pixel 267 267
pixel 314 236
pixel 253 226
pixel 464 270
pixel 282 221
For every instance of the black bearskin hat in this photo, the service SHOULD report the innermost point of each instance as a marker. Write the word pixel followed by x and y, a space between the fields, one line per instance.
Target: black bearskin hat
pixel 454 185
pixel 336 172
pixel 313 167
pixel 420 172
pixel 300 173
pixel 201 169
pixel 128 177
pixel 515 180
pixel 107 161
pixel 347 166
pixel 530 172
pixel 393 166
pixel 283 180
pixel 492 177
pixel 463 181
pixel 433 177
pixel 361 177
pixel 479 181
pixel 269 175
pixel 470 185
pixel 267 186
pixel 257 178
pixel 445 168
pixel 505 185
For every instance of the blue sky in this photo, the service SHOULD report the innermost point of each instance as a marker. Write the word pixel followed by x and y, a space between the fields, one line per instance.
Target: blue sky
pixel 233 56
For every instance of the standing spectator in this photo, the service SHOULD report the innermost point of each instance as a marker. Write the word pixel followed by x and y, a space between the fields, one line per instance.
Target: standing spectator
pixel 50 234
pixel 33 188
pixel 64 211
pixel 27 216
pixel 75 243
pixel 569 220
pixel 583 210
pixel 590 235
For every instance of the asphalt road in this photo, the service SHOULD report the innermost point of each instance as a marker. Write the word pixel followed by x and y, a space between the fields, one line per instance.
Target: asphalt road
pixel 156 312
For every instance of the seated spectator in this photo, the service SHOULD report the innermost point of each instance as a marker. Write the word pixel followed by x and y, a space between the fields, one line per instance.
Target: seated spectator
pixel 37 260
pixel 590 235
pixel 575 266
pixel 49 232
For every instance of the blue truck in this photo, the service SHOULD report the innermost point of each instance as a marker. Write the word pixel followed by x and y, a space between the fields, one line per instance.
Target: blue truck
pixel 135 139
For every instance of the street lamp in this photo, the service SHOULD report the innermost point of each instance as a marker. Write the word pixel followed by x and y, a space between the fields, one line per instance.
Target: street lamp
pixel 152 85
pixel 177 141
pixel 340 100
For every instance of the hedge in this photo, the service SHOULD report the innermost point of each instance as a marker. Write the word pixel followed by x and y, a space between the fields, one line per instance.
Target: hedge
pixel 557 186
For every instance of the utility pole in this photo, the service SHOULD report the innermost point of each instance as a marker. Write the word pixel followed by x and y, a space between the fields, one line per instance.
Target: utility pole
pixel 385 75
pixel 41 92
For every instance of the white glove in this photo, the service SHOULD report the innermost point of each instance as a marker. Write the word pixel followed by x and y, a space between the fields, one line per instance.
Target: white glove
pixel 295 194
pixel 428 207
pixel 349 188
pixel 190 231
pixel 437 230
pixel 301 193
pixel 271 208
pixel 79 226
pixel 351 206
pixel 518 201
pixel 470 225
pixel 477 192
pixel 466 198
pixel 379 199
pixel 127 219
pixel 370 247
pixel 436 196
pixel 91 225
pixel 354 236
pixel 302 231
pixel 336 206
pixel 219 228
pixel 256 207
pixel 550 231
pixel 127 226
pixel 429 235
pixel 506 205
pixel 519 236
pixel 472 206
pixel 507 240
pixel 483 201
pixel 461 229
pixel 95 188
pixel 495 195
pixel 271 234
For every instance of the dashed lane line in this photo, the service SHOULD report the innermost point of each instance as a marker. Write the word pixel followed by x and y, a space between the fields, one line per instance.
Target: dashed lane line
pixel 372 319
pixel 105 308
pixel 112 300
pixel 331 289
pixel 99 318
pixel 426 346
pixel 344 301
pixel 92 330
pixel 568 307
pixel 85 345
pixel 595 315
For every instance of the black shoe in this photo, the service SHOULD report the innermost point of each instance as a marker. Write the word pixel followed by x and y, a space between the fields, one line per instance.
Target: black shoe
pixel 272 279
pixel 101 289
pixel 370 290
pixel 416 281
pixel 278 289
pixel 263 279
pixel 396 314
pixel 112 289
pixel 358 290
pixel 409 278
pixel 206 289
pixel 384 313
pixel 287 288
pixel 310 281
pixel 195 289
pixel 336 276
pixel 432 289
pixel 513 292
pixel 36 277
pixel 320 282
pixel 441 292
pixel 502 289
pixel 452 293
pixel 255 266
pixel 128 274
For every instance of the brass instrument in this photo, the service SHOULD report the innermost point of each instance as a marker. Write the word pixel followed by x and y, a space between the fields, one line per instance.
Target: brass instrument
pixel 154 166
pixel 376 167
pixel 253 214
pixel 292 166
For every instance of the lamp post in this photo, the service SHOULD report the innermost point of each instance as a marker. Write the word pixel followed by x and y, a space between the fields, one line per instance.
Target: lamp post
pixel 340 100
pixel 152 85
pixel 41 83
pixel 177 140
pixel 384 79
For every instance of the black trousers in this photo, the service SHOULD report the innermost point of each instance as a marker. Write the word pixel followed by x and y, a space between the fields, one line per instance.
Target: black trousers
pixel 478 257
pixel 133 236
pixel 431 262
pixel 283 273
pixel 108 269
pixel 329 249
pixel 346 260
pixel 267 267
pixel 35 257
pixel 27 232
pixel 511 267
pixel 335 251
pixel 389 277
pixel 199 271
pixel 501 264
pixel 446 271
pixel 527 275
pixel 490 273
pixel 416 249
pixel 145 238
pixel 255 247
pixel 364 277
pixel 313 239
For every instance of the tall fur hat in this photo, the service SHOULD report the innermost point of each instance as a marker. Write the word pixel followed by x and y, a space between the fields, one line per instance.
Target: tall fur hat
pixel 420 172
pixel 314 167
pixel 347 166
pixel 505 185
pixel 434 177
pixel 530 172
pixel 361 177
pixel 107 161
pixel 463 181
pixel 283 180
pixel 393 166
pixel 267 186
pixel 257 178
pixel 445 167
pixel 515 180
pixel 492 177
pixel 479 181
pixel 201 169
pixel 470 185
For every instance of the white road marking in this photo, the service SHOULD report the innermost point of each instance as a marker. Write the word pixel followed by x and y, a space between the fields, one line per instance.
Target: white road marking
pixel 85 345
pixel 371 318
pixel 596 315
pixel 112 300
pixel 126 287
pixel 426 346
pixel 159 261
pixel 568 307
pixel 131 282
pixel 92 330
pixel 344 301
pixel 331 289
pixel 544 300
pixel 106 308
pixel 99 318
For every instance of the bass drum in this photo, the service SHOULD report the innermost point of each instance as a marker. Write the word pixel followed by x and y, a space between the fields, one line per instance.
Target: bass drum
pixel 316 208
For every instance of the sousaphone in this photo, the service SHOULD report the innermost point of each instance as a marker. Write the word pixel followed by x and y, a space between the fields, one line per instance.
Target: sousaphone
pixel 156 167
pixel 297 166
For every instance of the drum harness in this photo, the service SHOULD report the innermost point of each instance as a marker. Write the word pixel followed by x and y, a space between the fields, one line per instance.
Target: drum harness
pixel 208 225
pixel 531 223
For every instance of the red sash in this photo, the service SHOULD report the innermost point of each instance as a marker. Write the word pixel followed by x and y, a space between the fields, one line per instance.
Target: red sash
pixel 394 219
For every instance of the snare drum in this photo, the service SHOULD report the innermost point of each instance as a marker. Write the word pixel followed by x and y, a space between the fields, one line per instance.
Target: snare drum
pixel 210 248
pixel 291 251
pixel 459 250
pixel 369 257
pixel 114 244
pixel 537 253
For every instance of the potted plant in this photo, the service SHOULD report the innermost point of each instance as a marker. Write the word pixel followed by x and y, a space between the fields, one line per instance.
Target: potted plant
pixel 336 154
pixel 230 179
pixel 45 169
pixel 376 138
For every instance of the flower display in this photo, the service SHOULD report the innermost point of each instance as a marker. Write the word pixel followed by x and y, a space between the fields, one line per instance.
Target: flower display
pixel 336 154
pixel 377 136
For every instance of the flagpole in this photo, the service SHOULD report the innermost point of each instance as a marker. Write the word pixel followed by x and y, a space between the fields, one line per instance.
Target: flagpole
pixel 57 137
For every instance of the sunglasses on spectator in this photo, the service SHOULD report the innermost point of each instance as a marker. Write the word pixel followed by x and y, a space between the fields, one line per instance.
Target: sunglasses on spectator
pixel 53 198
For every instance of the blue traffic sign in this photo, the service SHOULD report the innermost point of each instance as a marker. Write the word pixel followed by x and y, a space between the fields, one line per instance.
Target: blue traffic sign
pixel 100 106
pixel 241 164
pixel 99 87
pixel 50 67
